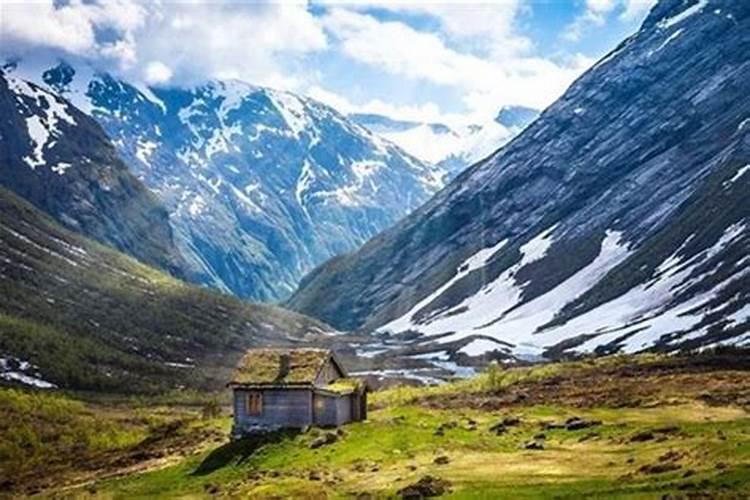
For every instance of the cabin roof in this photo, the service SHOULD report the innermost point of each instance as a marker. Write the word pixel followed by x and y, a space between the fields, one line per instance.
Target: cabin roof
pixel 345 386
pixel 282 366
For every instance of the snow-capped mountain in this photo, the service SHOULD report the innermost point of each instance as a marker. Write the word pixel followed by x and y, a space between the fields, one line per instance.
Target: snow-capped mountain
pixel 60 160
pixel 617 221
pixel 451 148
pixel 261 185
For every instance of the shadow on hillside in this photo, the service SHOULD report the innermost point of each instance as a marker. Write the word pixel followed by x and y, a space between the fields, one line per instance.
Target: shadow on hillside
pixel 239 451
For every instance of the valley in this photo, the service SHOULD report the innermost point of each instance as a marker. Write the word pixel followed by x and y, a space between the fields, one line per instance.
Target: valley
pixel 654 426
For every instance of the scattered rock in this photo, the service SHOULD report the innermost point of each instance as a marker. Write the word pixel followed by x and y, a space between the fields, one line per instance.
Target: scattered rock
pixel 426 487
pixel 211 489
pixel 577 423
pixel 642 436
pixel 670 456
pixel 533 445
pixel 442 460
pixel 325 439
pixel 499 428
pixel 659 468
pixel 314 476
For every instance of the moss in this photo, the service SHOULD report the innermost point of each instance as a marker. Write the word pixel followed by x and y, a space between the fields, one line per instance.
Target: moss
pixel 280 366
pixel 345 385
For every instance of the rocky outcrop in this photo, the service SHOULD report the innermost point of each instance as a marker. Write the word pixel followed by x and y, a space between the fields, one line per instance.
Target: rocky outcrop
pixel 59 159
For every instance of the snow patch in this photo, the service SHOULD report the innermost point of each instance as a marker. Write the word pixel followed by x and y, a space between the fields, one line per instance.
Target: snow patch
pixel 678 18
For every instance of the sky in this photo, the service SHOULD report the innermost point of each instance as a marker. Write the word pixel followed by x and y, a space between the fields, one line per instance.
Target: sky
pixel 449 62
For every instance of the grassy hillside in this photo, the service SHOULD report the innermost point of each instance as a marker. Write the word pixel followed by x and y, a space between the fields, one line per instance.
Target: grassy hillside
pixel 87 317
pixel 509 433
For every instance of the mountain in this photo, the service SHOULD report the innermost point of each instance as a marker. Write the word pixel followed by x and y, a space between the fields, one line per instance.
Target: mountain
pixel 76 314
pixel 261 185
pixel 451 148
pixel 617 221
pixel 516 117
pixel 62 161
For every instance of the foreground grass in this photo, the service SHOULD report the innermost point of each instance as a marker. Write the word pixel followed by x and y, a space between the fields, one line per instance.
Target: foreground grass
pixel 675 443
pixel 398 446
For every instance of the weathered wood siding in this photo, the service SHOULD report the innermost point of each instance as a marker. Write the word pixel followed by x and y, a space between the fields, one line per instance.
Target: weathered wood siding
pixel 281 409
pixel 328 374
pixel 332 411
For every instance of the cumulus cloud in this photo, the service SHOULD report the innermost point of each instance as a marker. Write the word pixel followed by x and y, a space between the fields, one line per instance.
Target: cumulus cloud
pixel 157 72
pixel 486 83
pixel 220 39
pixel 73 26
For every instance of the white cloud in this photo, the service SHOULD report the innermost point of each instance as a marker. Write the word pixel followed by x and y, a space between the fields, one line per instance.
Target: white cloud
pixel 157 72
pixel 71 27
pixel 429 112
pixel 486 83
pixel 219 39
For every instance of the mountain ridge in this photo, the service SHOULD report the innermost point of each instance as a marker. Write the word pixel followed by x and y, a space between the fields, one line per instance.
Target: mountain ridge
pixel 260 184
pixel 514 247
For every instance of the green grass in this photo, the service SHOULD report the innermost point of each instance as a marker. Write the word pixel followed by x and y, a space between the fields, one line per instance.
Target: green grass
pixel 706 448
pixel 94 319
pixel 483 465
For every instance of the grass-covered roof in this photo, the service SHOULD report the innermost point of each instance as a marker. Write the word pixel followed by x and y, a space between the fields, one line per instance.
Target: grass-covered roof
pixel 280 366
pixel 345 385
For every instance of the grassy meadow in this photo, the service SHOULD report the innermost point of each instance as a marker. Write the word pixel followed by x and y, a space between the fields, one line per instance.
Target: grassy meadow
pixel 615 427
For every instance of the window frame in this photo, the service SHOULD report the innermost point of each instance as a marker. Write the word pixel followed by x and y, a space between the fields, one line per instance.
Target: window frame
pixel 254 403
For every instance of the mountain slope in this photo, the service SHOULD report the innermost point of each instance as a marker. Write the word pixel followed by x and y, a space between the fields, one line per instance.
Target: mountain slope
pixel 618 220
pixel 76 314
pixel 60 159
pixel 261 185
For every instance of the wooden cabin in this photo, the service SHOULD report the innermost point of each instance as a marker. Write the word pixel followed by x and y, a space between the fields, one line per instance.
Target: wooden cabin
pixel 293 388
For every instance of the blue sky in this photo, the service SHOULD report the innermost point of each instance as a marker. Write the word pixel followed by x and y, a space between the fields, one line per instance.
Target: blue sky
pixel 455 62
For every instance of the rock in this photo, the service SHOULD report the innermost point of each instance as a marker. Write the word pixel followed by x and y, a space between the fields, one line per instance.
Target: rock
pixel 659 468
pixel 576 423
pixel 326 439
pixel 498 429
pixel 540 436
pixel 533 445
pixel 426 487
pixel 211 489
pixel 441 460
pixel 314 476
pixel 642 436
pixel 670 456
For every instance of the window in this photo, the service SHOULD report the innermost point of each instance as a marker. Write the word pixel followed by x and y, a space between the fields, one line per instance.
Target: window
pixel 254 403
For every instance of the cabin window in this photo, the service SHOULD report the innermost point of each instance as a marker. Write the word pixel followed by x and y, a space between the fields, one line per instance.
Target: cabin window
pixel 254 403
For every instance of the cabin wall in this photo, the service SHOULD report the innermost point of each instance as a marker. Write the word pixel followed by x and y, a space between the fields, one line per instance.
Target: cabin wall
pixel 287 408
pixel 332 411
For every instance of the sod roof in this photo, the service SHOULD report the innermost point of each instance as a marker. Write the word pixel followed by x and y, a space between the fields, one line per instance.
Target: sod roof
pixel 279 366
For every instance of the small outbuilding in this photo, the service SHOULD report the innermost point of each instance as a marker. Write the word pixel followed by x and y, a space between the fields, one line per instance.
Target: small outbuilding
pixel 294 388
